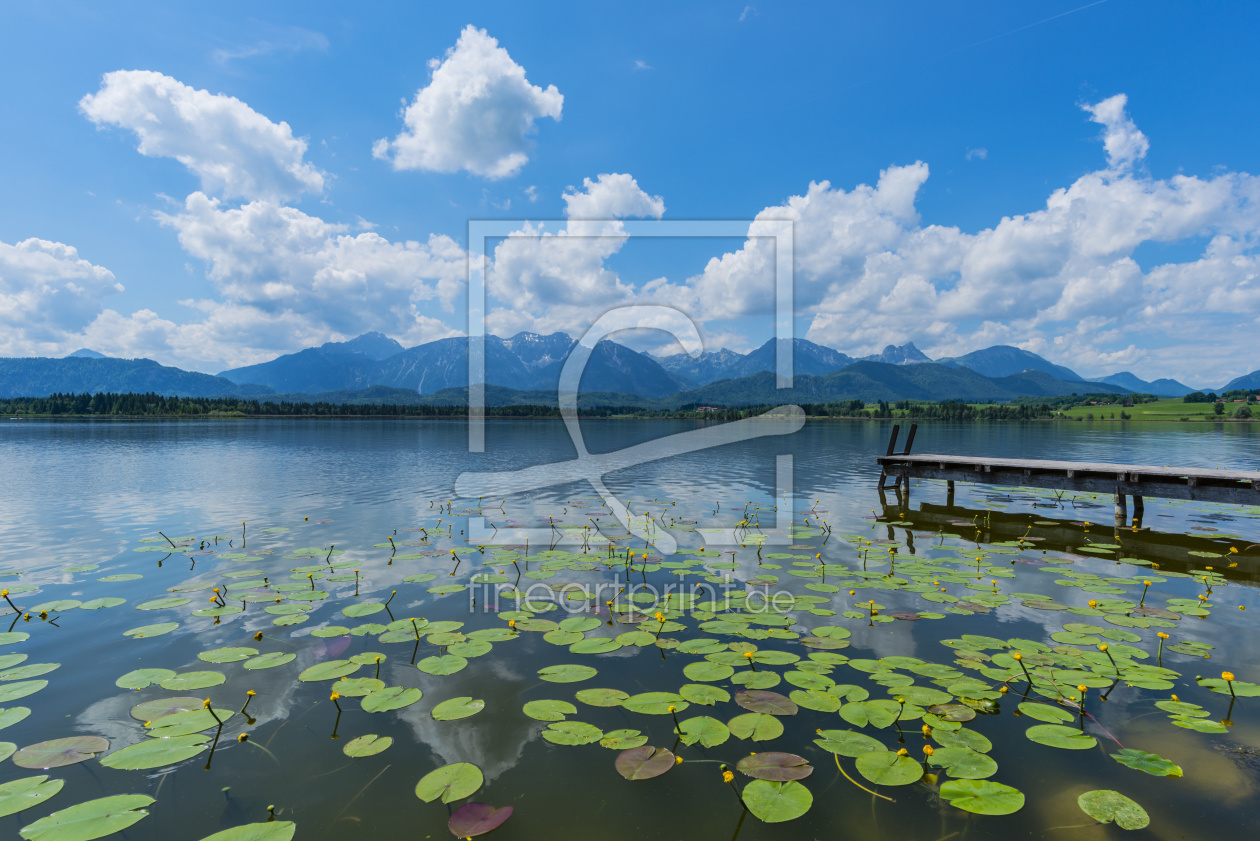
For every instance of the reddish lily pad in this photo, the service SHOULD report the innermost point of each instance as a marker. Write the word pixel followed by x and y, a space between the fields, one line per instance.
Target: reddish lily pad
pixel 473 819
pixel 761 701
pixel 644 763
pixel 59 752
pixel 775 766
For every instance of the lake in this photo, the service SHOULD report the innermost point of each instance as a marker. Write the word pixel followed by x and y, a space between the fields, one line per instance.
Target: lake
pixel 304 526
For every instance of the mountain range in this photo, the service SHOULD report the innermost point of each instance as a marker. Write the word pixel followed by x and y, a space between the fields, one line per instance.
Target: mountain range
pixel 374 365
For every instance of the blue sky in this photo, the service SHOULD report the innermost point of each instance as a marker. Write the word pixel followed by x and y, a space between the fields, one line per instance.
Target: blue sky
pixel 1071 178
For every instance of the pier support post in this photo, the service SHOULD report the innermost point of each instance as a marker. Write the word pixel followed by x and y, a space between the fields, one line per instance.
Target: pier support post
pixel 1137 511
pixel 949 493
pixel 1122 514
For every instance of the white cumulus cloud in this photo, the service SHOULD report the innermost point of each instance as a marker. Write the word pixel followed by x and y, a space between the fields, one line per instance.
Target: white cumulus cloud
pixel 234 150
pixel 47 293
pixel 476 113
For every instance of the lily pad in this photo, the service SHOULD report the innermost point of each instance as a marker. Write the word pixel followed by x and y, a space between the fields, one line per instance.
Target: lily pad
pixel 602 697
pixel 450 782
pixel 153 710
pixel 456 708
pixel 644 763
pixel 1106 806
pixel 983 797
pixel 265 831
pixel 775 766
pixel 847 742
pixel 1058 736
pixel 368 745
pixel 142 678
pixel 566 673
pixel 27 792
pixel 549 710
pixel 760 701
pixel 572 733
pixel 393 698
pixel 270 660
pixel 447 664
pixel 328 670
pixel 188 722
pixel 1151 763
pixel 227 655
pixel 13 691
pixel 156 753
pixel 888 768
pixel 1045 712
pixel 90 820
pixel 759 727
pixel 473 819
pixel 59 752
pixel 192 680
pixel 709 732
pixel 777 802
pixel 157 630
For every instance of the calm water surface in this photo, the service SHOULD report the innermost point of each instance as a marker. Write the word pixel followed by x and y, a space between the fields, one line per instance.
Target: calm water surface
pixel 82 493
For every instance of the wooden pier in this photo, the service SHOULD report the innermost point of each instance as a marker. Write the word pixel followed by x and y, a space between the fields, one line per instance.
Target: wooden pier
pixel 1240 487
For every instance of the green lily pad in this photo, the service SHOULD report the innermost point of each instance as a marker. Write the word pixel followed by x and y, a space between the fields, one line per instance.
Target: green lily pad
pixel 572 733
pixel 1058 736
pixel 357 687
pixel 888 768
pixel 369 745
pixel 269 660
pixel 127 576
pixel 709 732
pixel 447 664
pixel 655 703
pixel 156 753
pixel 450 782
pixel 265 831
pixel 707 671
pixel 759 727
pixel 11 637
pixel 150 711
pixel 623 739
pixel 328 670
pixel 983 797
pixel 97 604
pixel 1150 763
pixel 90 820
pixel 187 722
pixel 774 802
pixel 1106 806
pixel 644 762
pixel 703 694
pixel 22 794
pixel 356 611
pixel 14 691
pixel 549 710
pixel 566 673
pixel 227 655
pixel 847 742
pixel 60 752
pixel 392 698
pixel 157 630
pixel 602 697
pixel 164 603
pixel 192 680
pixel 12 715
pixel 1045 712
pixel 457 708
pixel 142 678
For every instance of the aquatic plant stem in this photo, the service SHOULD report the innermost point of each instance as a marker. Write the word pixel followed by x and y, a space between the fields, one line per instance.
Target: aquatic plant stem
pixel 836 756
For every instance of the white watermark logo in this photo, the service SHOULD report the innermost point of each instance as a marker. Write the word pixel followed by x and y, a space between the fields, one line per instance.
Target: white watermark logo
pixel 592 468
